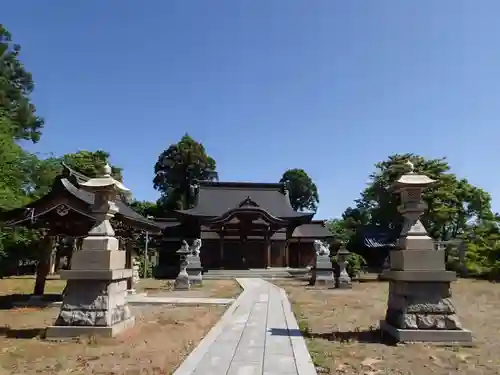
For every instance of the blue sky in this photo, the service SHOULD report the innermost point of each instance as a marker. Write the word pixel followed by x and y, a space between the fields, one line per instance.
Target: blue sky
pixel 329 86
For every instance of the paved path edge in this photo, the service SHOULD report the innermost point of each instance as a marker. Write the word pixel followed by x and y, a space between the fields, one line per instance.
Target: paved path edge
pixel 303 360
pixel 194 358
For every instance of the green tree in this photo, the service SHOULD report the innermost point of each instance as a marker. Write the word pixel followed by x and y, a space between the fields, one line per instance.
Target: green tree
pixel 90 163
pixel 302 190
pixel 453 203
pixel 345 228
pixel 16 85
pixel 144 208
pixel 177 170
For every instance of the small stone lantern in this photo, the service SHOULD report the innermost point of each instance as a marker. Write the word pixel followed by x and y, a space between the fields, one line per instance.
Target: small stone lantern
pixel 343 281
pixel 419 307
pixel 182 281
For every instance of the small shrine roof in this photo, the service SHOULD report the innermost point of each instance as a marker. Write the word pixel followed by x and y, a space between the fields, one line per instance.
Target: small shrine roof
pixel 66 192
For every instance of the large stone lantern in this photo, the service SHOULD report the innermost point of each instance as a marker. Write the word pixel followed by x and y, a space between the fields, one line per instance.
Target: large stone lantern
pixel 419 306
pixel 94 303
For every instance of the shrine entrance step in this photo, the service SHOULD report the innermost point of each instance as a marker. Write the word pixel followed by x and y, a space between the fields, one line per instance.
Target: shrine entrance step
pixel 263 273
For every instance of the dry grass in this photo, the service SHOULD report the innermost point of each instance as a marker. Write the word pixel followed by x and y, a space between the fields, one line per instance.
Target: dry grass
pixel 25 285
pixel 342 335
pixel 160 340
pixel 209 289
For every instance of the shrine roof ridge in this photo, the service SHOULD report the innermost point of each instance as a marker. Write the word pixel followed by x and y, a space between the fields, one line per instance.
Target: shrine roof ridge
pixel 242 185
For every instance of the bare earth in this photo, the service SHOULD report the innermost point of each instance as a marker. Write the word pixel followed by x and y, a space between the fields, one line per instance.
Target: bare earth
pixel 341 329
pixel 162 337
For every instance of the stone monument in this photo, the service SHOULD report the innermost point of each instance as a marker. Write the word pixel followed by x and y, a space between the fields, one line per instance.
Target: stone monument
pixel 194 267
pixel 94 301
pixel 419 307
pixel 343 281
pixel 323 269
pixel 182 281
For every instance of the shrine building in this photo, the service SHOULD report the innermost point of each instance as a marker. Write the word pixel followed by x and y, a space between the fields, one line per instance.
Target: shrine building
pixel 244 225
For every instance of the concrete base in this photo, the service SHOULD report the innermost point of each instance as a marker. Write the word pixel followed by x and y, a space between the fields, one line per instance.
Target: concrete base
pixel 343 285
pixel 326 283
pixel 427 335
pixel 70 332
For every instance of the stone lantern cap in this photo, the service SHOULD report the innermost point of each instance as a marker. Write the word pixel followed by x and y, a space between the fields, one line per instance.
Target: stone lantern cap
pixel 343 253
pixel 413 180
pixel 184 249
pixel 105 181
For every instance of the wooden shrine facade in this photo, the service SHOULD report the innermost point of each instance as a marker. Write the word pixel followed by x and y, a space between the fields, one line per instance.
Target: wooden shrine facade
pixel 244 225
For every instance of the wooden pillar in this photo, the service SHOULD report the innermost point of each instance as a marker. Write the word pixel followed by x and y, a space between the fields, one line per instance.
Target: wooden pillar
pixel 221 255
pixel 268 250
pixel 287 255
pixel 45 248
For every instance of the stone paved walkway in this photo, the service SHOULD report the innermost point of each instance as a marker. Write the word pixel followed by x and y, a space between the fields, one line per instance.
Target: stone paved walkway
pixel 258 335
pixel 153 300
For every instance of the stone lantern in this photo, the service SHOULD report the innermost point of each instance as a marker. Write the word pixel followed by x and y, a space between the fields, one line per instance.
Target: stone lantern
pixel 182 281
pixel 94 302
pixel 343 281
pixel 419 307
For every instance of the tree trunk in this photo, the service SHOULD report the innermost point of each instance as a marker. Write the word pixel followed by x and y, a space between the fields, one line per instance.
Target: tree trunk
pixel 43 266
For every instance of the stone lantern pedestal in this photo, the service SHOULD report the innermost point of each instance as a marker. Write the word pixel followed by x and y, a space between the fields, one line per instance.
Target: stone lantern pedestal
pixel 94 302
pixel 322 273
pixel 419 308
pixel 194 267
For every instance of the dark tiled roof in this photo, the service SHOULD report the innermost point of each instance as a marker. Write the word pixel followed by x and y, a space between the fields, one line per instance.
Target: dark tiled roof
pixel 216 198
pixel 68 182
pixel 315 229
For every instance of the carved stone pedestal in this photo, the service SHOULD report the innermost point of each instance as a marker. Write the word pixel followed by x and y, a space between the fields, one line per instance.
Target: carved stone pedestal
pixel 423 311
pixel 94 302
pixel 194 269
pixel 324 271
pixel 93 307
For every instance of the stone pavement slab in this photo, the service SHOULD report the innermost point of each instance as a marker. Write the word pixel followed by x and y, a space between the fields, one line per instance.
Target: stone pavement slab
pixel 147 300
pixel 258 335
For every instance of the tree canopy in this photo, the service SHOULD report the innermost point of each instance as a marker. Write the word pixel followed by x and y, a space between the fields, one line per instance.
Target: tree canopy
pixel 302 190
pixel 178 168
pixel 90 163
pixel 16 85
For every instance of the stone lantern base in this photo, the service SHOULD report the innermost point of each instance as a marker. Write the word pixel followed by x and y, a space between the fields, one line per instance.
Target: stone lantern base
pixel 194 270
pixel 323 272
pixel 419 308
pixel 94 304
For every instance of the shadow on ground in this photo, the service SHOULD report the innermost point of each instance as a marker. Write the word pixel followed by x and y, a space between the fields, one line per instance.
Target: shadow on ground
pixel 369 336
pixel 24 333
